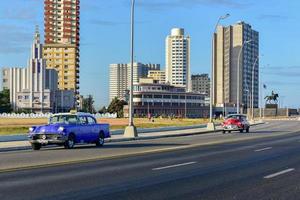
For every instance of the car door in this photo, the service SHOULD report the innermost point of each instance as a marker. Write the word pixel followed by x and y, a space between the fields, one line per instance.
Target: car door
pixel 93 130
pixel 82 130
pixel 244 122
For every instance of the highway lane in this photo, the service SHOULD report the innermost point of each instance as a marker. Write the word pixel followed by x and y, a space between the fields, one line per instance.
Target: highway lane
pixel 59 155
pixel 223 171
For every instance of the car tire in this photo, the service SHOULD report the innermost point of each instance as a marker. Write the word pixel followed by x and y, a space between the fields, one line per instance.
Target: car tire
pixel 248 129
pixel 229 131
pixel 69 144
pixel 224 131
pixel 100 141
pixel 36 146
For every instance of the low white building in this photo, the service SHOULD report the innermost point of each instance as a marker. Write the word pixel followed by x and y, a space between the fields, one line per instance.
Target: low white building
pixel 34 88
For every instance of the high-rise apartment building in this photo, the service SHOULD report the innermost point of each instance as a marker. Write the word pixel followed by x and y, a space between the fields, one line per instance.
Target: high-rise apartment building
pixel 119 76
pixel 178 59
pixel 61 49
pixel 228 42
pixel 201 84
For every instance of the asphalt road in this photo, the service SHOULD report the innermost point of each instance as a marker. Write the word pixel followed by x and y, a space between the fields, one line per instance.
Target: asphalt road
pixel 256 168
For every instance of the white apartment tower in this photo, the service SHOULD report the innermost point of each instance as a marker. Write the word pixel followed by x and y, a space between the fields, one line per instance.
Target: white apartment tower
pixel 178 59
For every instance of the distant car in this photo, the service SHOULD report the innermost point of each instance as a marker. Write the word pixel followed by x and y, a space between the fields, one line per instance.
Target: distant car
pixel 236 123
pixel 68 129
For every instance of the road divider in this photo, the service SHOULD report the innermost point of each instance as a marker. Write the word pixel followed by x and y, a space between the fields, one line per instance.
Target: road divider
pixel 173 166
pixel 279 173
pixel 263 149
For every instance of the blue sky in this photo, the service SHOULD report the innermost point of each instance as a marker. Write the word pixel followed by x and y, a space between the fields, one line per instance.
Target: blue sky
pixel 105 36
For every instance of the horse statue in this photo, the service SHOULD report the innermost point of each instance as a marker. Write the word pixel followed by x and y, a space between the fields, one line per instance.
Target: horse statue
pixel 273 98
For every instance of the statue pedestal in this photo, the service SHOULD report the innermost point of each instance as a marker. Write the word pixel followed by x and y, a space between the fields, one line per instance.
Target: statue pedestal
pixel 272 106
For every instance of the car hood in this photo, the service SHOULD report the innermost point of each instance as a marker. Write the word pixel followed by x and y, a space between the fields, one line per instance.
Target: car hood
pixel 49 128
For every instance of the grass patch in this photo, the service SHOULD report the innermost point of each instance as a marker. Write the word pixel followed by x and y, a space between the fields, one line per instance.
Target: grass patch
pixel 14 130
pixel 20 126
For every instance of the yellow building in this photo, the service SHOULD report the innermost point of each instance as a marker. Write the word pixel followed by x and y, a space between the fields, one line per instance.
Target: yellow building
pixel 157 75
pixel 63 58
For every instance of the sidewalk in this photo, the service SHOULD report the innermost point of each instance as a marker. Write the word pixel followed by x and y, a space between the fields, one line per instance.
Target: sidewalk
pixel 23 145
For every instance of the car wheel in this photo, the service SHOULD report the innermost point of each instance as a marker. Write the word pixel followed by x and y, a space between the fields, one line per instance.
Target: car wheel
pixel 229 131
pixel 247 130
pixel 224 131
pixel 36 146
pixel 69 144
pixel 100 141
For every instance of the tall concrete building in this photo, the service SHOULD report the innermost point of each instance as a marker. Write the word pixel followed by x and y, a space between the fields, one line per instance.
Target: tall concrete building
pixel 119 76
pixel 228 42
pixel 201 84
pixel 61 49
pixel 178 59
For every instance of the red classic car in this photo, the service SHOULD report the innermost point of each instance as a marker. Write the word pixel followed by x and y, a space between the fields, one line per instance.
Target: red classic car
pixel 236 123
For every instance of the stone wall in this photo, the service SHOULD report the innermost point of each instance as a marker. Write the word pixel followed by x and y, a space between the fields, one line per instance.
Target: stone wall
pixel 272 112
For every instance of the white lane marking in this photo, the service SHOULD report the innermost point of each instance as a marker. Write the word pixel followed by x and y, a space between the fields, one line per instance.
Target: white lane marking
pixel 172 166
pixel 279 173
pixel 264 149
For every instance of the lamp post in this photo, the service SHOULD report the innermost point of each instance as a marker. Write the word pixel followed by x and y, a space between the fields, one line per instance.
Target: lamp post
pixel 252 90
pixel 238 78
pixel 130 130
pixel 211 125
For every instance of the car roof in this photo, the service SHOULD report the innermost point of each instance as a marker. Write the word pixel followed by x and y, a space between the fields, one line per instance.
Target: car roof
pixel 232 115
pixel 75 113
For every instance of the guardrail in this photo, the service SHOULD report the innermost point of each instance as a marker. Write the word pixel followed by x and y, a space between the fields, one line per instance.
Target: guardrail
pixel 47 115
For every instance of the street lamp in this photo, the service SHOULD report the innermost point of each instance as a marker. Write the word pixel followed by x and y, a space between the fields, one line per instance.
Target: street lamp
pixel 211 125
pixel 238 78
pixel 252 90
pixel 261 91
pixel 130 130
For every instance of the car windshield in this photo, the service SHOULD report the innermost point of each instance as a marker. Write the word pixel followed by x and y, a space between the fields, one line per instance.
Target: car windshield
pixel 63 119
pixel 233 117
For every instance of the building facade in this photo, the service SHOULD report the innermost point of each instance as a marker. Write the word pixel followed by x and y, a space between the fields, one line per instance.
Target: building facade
pixel 34 88
pixel 119 77
pixel 157 75
pixel 166 101
pixel 201 84
pixel 31 88
pixel 228 42
pixel 62 39
pixel 178 59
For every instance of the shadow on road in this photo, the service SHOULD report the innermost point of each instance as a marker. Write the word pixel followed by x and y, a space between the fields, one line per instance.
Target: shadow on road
pixel 113 146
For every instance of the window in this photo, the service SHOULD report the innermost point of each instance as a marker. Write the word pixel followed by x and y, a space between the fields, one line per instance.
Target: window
pixel 83 120
pixel 91 120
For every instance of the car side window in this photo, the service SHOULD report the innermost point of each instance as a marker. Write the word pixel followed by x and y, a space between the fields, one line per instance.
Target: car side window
pixel 83 120
pixel 91 120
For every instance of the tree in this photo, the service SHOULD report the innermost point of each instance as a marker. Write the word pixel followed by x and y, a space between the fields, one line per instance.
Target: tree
pixel 5 106
pixel 88 104
pixel 103 110
pixel 116 106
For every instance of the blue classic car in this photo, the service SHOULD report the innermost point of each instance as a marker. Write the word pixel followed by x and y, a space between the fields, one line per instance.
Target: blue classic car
pixel 67 129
